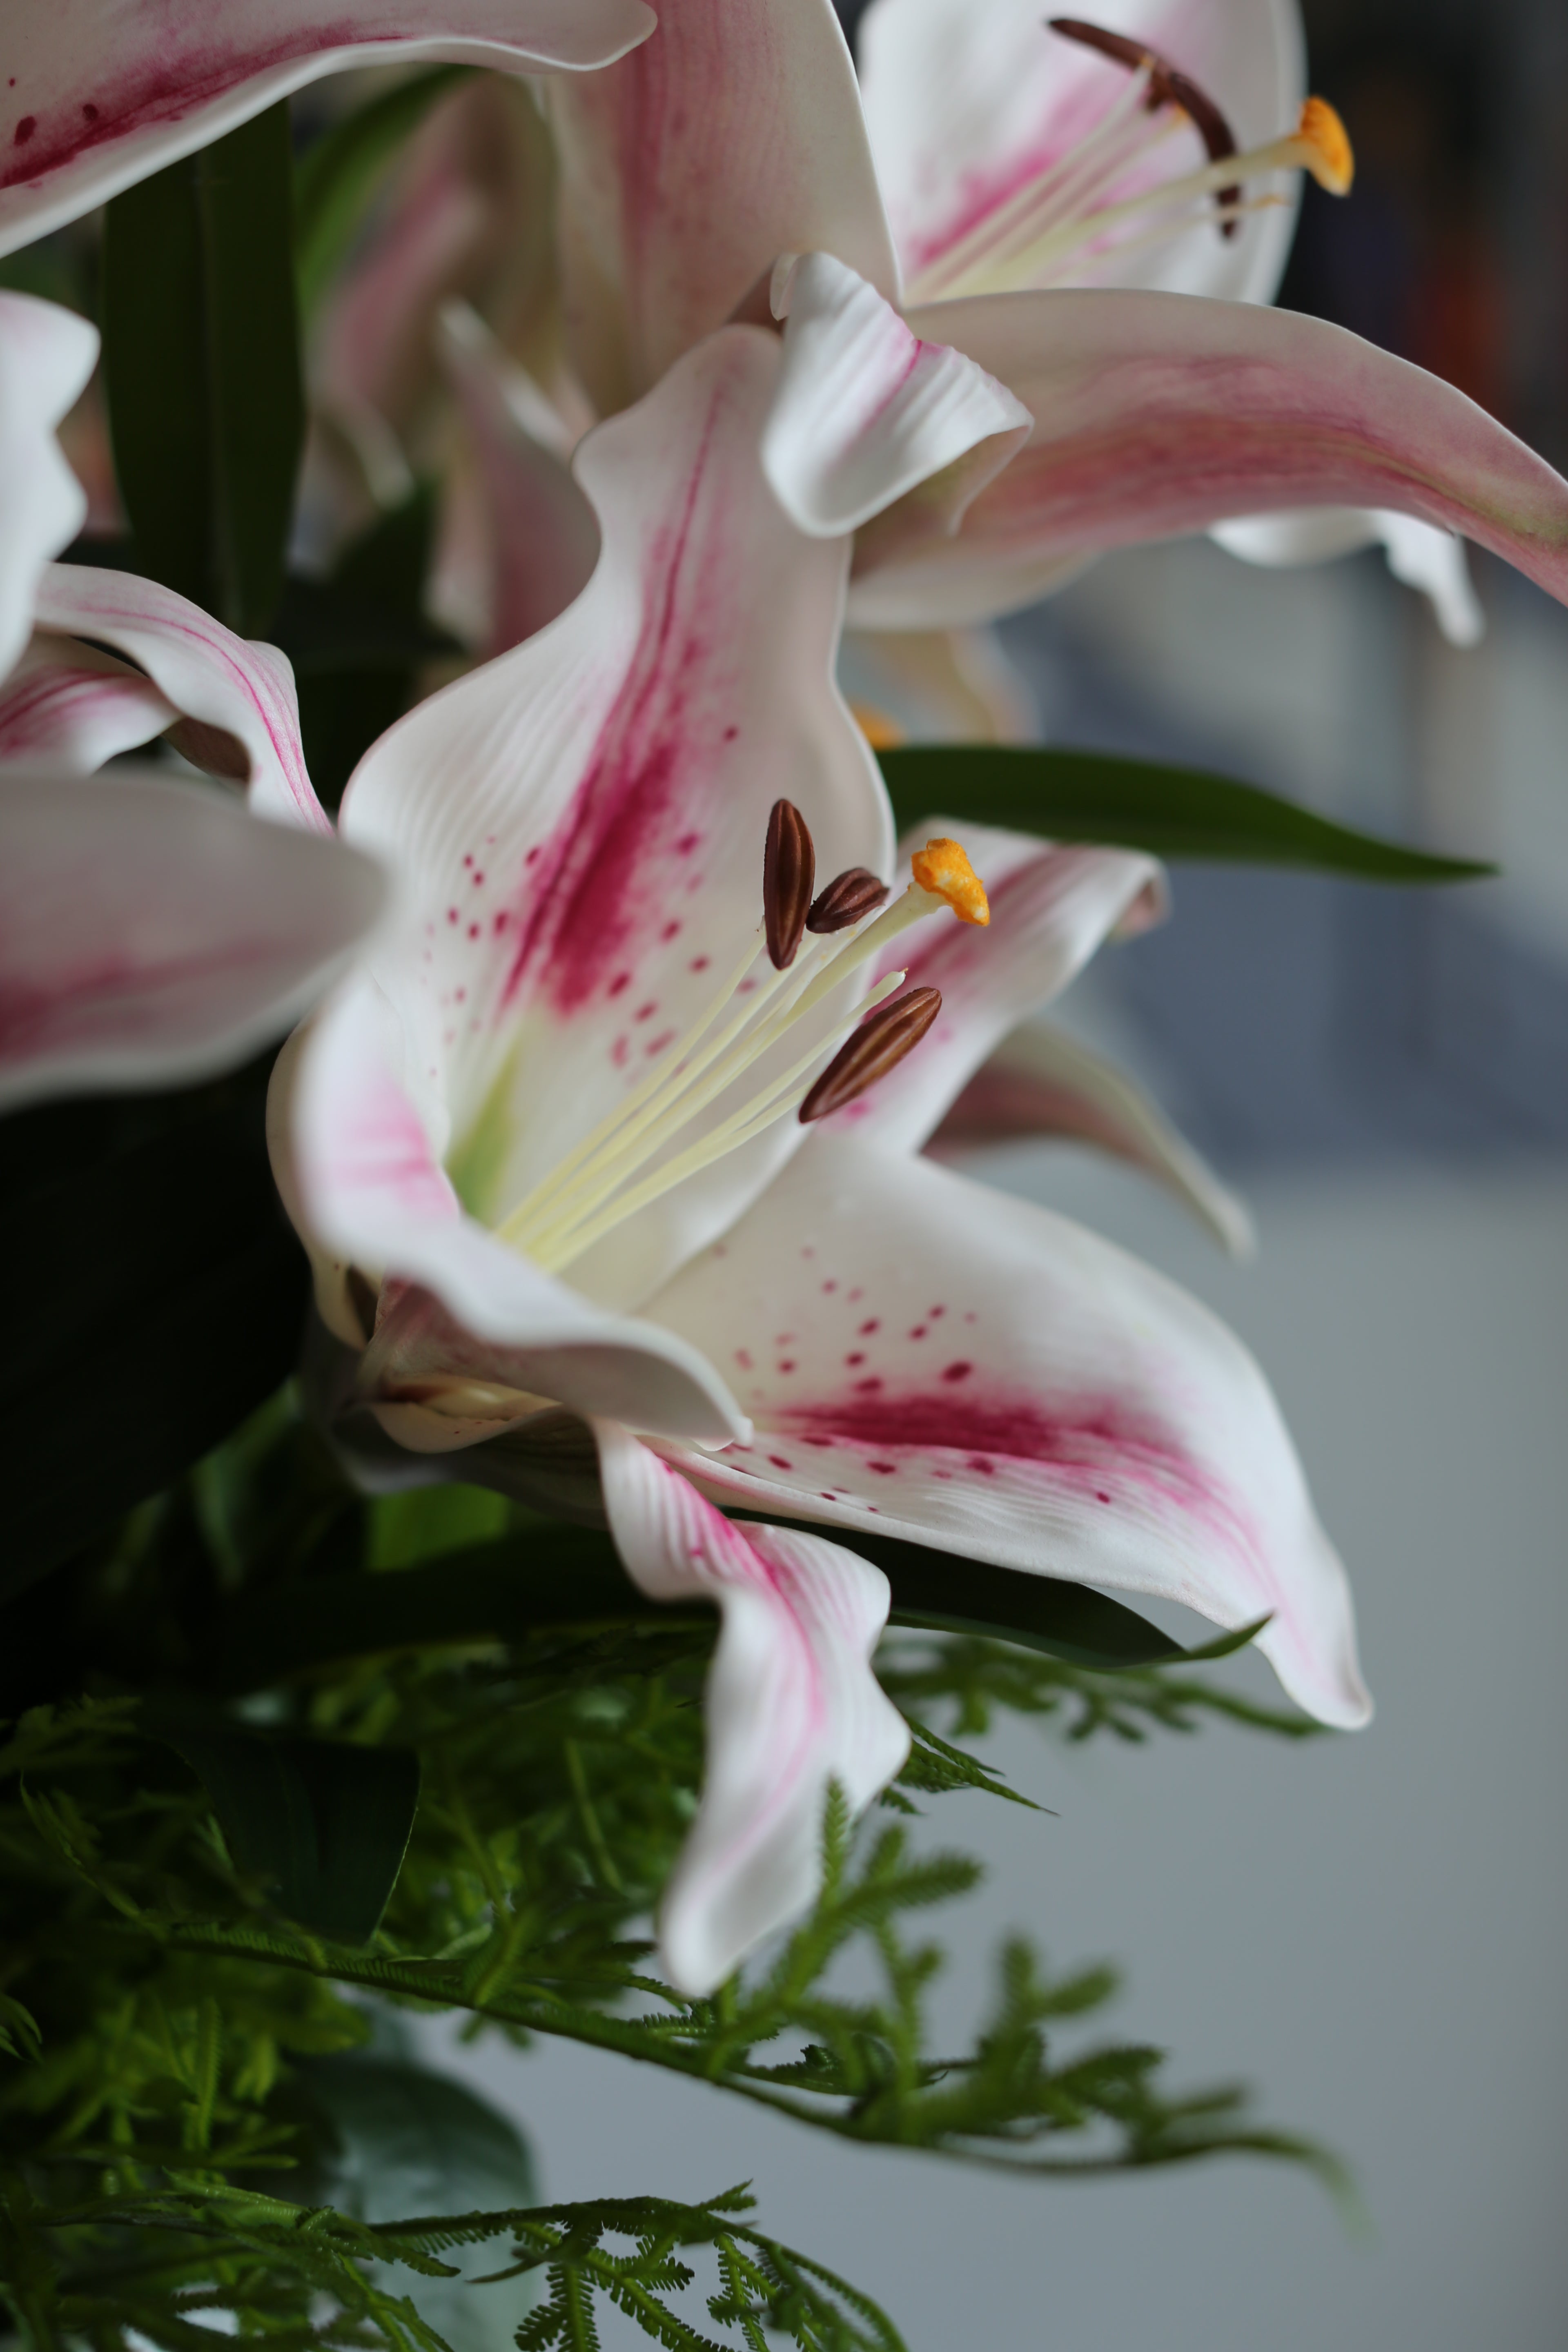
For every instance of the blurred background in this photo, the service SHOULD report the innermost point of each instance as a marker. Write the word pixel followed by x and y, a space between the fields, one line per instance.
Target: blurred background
pixel 1372 1930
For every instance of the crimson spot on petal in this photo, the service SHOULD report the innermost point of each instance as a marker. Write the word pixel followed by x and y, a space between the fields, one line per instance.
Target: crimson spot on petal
pixel 956 1372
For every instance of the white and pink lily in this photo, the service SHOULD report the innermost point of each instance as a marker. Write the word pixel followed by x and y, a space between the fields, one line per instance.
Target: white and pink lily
pixel 1014 151
pixel 554 1148
pixel 151 930
pixel 1162 406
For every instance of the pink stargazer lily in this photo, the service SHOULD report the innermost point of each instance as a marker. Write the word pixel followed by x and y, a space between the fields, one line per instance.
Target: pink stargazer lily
pixel 546 1148
pixel 102 92
pixel 151 930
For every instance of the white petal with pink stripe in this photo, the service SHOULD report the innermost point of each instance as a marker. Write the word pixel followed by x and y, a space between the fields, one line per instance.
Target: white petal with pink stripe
pixel 791 1705
pixel 926 1358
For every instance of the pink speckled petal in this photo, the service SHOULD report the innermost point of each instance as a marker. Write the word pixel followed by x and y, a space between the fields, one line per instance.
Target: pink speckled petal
pixel 1432 561
pixel 582 821
pixel 1159 414
pixel 791 1704
pixel 101 92
pixel 1041 1082
pixel 47 355
pixel 924 1357
pixel 152 932
pixel 731 137
pixel 240 688
pixel 865 411
pixel 1051 908
pixel 69 703
pixel 966 104
pixel 356 1149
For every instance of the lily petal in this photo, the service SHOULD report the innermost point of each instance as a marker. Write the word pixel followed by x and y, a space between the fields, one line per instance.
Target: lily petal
pixel 105 91
pixel 1159 414
pixel 1051 908
pixel 1041 1082
pixel 471 1337
pixel 583 820
pixel 221 682
pixel 152 932
pixel 70 703
pixel 735 135
pixel 791 1704
pixel 47 355
pixel 974 1373
pixel 1430 560
pixel 966 104
pixel 866 410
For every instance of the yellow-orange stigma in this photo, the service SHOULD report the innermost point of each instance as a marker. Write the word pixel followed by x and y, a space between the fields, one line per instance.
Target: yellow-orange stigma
pixel 942 868
pixel 1325 147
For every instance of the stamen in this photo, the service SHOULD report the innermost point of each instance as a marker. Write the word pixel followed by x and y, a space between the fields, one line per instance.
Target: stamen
pixel 1168 86
pixel 789 871
pixel 942 868
pixel 1061 223
pixel 621 1167
pixel 849 895
pixel 878 1046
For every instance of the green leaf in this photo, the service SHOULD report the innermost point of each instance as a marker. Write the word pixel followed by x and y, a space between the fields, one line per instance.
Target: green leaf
pixel 409 2141
pixel 324 1823
pixel 1040 1613
pixel 202 367
pixel 155 1298
pixel 1141 805
pixel 336 180
pixel 538 1577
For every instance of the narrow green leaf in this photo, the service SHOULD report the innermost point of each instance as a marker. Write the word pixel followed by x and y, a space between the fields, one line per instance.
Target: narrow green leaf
pixel 155 375
pixel 244 184
pixel 538 1578
pixel 1141 805
pixel 202 367
pixel 336 180
pixel 325 1823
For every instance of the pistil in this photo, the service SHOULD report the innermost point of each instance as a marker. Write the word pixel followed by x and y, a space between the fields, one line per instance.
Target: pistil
pixel 1050 229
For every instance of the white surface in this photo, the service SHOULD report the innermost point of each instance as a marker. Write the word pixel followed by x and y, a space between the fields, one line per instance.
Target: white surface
pixel 1373 1929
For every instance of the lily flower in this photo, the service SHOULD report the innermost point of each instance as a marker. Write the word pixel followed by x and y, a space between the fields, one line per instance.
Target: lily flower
pixel 151 930
pixel 103 93
pixel 1070 152
pixel 1159 410
pixel 620 1121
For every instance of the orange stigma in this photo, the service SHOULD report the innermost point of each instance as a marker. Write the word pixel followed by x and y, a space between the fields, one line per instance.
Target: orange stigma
pixel 1326 148
pixel 942 868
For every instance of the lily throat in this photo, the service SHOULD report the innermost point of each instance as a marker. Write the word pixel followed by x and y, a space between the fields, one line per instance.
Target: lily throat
pixel 731 1077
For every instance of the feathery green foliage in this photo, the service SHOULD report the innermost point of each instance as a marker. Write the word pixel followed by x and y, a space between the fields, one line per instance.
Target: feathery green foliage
pixel 169 2021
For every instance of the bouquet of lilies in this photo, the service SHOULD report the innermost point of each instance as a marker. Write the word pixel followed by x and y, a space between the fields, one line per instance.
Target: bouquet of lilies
pixel 522 1462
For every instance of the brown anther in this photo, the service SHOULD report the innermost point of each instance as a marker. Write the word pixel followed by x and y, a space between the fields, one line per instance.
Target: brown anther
pixel 878 1046
pixel 848 896
pixel 789 870
pixel 1168 86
